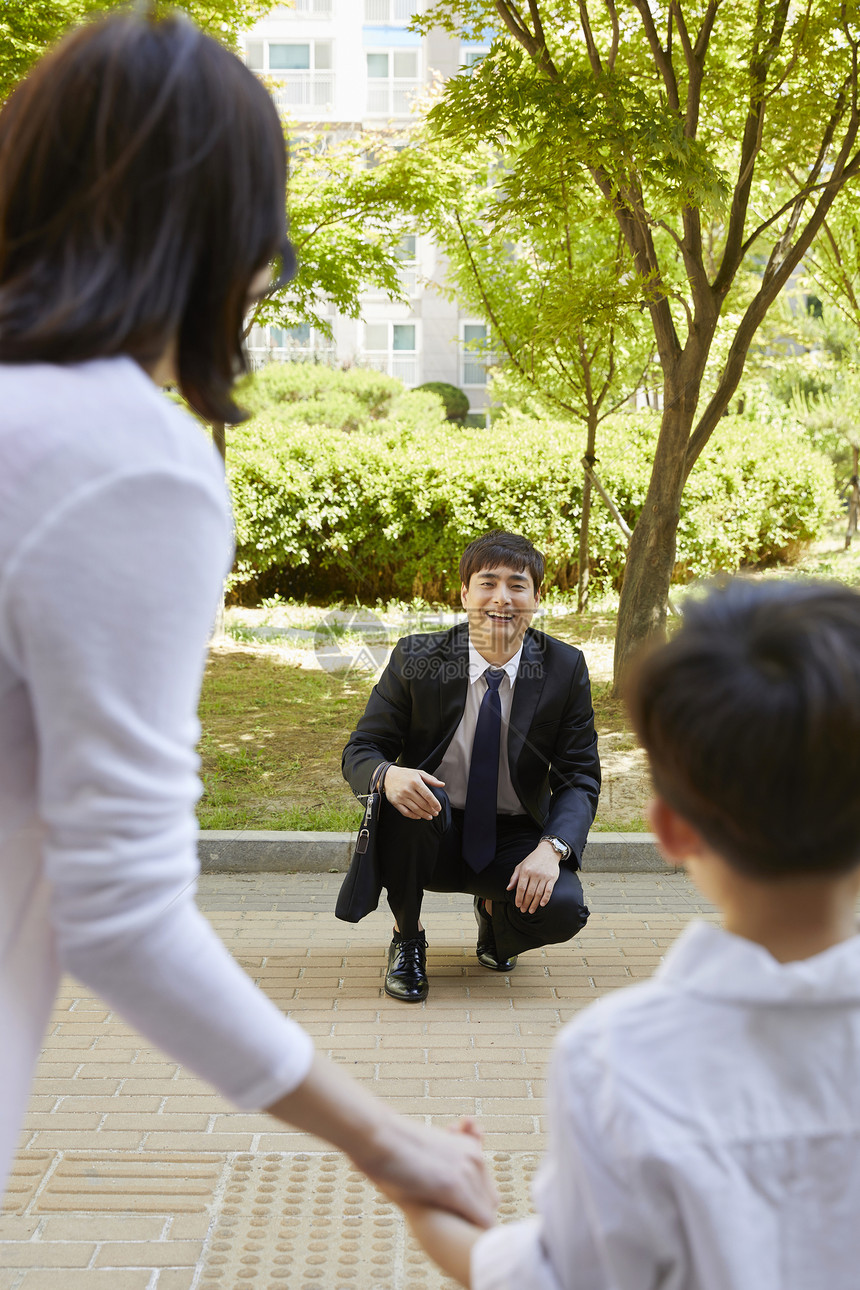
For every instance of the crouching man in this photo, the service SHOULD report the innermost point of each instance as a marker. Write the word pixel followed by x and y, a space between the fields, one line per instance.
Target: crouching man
pixel 496 718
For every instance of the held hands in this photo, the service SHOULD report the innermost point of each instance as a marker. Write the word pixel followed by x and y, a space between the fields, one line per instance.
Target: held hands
pixel 534 878
pixel 409 1162
pixel 448 1238
pixel 407 790
pixel 429 1167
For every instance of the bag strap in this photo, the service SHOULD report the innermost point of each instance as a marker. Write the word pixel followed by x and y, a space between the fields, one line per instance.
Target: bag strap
pixel 378 776
pixel 375 779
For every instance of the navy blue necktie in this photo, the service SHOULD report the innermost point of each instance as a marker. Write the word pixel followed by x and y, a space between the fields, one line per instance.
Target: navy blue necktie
pixel 479 817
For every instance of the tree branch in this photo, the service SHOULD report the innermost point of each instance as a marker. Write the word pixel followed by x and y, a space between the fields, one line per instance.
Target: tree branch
pixel 612 10
pixel 491 313
pixel 516 25
pixel 640 244
pixel 800 201
pixel 750 148
pixel 792 62
pixel 704 36
pixel 676 13
pixel 659 54
pixel 842 274
pixel 760 304
pixel 588 34
pixel 545 59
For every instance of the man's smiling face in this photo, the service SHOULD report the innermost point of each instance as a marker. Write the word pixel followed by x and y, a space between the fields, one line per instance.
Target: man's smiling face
pixel 500 602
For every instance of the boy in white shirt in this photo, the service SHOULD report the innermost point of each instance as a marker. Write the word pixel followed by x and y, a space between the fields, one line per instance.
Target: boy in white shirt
pixel 706 1124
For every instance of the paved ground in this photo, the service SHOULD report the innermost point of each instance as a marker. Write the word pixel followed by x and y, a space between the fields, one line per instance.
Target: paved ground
pixel 133 1175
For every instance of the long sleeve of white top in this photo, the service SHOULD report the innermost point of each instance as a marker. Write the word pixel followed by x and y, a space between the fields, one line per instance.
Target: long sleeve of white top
pixel 109 604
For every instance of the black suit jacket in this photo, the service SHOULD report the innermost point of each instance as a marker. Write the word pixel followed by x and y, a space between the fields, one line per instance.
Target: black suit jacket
pixel 416 706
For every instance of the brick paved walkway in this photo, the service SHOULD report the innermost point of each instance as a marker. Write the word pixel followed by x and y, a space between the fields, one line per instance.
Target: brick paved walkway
pixel 134 1175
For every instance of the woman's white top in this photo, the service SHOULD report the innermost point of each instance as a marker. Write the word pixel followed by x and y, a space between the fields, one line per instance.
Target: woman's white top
pixel 115 537
pixel 704 1132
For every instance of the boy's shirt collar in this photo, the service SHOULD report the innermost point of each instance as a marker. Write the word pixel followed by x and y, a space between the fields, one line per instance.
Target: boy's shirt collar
pixel 708 961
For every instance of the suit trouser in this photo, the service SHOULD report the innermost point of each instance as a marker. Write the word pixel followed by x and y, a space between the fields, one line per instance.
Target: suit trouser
pixel 416 858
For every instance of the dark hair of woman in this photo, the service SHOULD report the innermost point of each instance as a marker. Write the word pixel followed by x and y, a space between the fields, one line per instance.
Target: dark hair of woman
pixel 142 189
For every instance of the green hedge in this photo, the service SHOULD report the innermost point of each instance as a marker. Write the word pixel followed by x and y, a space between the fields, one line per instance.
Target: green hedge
pixel 386 512
pixel 456 401
pixel 313 394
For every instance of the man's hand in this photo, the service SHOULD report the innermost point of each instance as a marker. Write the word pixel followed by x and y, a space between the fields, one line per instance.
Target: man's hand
pixel 407 790
pixel 534 878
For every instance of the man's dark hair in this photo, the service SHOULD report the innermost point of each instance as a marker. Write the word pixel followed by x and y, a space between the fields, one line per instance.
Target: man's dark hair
pixel 500 548
pixel 142 188
pixel 750 717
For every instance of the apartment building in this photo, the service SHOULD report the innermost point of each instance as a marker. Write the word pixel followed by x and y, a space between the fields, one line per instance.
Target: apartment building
pixel 353 65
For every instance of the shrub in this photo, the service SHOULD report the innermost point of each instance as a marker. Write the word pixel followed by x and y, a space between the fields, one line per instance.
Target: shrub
pixel 358 398
pixel 387 512
pixel 456 403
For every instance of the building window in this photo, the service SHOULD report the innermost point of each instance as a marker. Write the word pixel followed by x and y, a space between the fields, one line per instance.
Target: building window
pixel 407 254
pixel 390 11
pixel 272 344
pixel 392 348
pixel 312 8
pixel 392 80
pixel 301 70
pixel 475 356
pixel 471 55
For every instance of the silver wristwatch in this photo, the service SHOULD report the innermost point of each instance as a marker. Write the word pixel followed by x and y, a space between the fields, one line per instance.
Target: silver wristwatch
pixel 561 849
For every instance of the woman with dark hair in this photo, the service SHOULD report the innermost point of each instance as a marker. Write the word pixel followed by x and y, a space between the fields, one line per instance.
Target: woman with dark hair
pixel 142 174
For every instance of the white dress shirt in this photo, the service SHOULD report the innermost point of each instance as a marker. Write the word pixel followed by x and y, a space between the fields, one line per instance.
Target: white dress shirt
pixel 704 1132
pixel 454 766
pixel 115 537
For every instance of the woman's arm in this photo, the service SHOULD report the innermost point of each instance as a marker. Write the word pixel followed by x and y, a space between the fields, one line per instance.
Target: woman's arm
pixel 110 608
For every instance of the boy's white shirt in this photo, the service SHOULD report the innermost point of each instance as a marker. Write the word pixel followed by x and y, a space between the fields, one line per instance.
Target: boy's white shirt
pixel 704 1132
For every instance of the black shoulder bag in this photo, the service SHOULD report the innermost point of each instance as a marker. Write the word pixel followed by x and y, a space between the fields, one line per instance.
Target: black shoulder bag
pixel 362 886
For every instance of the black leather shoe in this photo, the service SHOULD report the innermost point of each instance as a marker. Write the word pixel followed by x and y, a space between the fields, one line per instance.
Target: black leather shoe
pixel 488 955
pixel 406 978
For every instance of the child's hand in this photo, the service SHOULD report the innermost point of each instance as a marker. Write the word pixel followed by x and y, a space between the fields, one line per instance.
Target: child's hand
pixel 422 1166
pixel 468 1125
pixel 446 1237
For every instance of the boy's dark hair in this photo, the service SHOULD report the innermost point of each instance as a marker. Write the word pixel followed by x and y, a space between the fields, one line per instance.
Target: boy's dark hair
pixel 501 548
pixel 142 188
pixel 750 717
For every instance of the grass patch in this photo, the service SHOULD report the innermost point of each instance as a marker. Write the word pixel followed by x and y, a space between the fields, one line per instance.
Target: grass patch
pixel 272 740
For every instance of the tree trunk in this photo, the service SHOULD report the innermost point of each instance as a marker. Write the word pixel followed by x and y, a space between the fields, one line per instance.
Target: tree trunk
pixel 584 568
pixel 651 558
pixel 584 564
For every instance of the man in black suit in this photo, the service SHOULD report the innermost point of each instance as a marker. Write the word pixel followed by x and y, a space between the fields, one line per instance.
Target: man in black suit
pixel 499 717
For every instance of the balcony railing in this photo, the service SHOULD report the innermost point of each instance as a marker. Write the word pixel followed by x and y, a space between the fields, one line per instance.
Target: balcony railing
pixel 312 8
pixel 389 10
pixel 392 97
pixel 403 366
pixel 262 355
pixel 474 370
pixel 303 90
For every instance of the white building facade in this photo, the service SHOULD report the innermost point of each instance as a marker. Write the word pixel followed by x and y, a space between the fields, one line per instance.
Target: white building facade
pixel 353 65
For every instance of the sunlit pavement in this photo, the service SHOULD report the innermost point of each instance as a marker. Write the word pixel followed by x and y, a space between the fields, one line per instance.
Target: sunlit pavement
pixel 134 1175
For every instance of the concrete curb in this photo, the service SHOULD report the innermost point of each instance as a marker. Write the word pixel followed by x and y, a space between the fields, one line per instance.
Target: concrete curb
pixel 251 851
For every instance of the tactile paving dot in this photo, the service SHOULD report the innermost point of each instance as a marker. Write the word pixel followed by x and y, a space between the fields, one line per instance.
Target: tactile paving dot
pixel 309 1221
